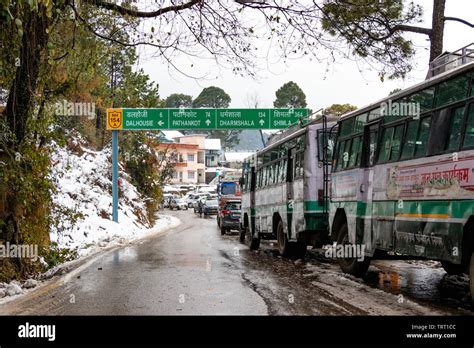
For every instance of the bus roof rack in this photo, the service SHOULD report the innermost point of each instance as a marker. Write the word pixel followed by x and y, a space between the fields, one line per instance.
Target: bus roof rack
pixel 450 60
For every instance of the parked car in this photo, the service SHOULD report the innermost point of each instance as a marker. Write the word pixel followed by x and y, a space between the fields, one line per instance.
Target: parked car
pixel 193 198
pixel 178 203
pixel 229 218
pixel 206 189
pixel 208 207
pixel 211 196
pixel 167 197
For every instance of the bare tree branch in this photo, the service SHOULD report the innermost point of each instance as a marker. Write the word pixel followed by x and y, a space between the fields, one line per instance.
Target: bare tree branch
pixel 413 29
pixel 459 20
pixel 141 14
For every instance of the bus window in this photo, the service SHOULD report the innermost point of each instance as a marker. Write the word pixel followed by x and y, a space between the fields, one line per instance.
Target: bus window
pixel 299 164
pixel 347 126
pixel 326 138
pixel 386 145
pixel 265 176
pixel 289 172
pixel 424 98
pixel 469 135
pixel 396 143
pixel 410 140
pixel 275 153
pixel 338 157
pixel 360 122
pixel 345 157
pixel 370 145
pixel 422 138
pixel 452 90
pixel 376 113
pixel 457 116
pixel 355 152
pixel 267 157
pixel 300 141
pixel 283 165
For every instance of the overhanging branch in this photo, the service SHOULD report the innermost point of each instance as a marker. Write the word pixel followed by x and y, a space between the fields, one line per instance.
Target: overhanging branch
pixel 141 14
pixel 413 29
pixel 459 20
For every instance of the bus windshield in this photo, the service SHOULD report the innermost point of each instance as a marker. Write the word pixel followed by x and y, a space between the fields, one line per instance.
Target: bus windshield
pixel 228 188
pixel 328 138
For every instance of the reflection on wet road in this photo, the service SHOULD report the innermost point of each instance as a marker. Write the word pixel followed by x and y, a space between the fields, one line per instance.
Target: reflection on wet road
pixel 193 270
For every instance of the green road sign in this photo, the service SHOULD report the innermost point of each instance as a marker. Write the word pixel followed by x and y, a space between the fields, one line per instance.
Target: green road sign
pixel 147 119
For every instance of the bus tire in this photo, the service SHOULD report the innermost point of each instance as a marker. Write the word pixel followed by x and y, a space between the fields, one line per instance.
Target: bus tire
pixel 286 248
pixel 351 265
pixel 253 243
pixel 242 236
pixel 283 244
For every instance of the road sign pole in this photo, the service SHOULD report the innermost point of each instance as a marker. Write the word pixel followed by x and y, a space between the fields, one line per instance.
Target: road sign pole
pixel 115 178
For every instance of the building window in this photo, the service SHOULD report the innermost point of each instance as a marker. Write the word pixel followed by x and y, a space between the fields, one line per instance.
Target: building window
pixel 175 175
pixel 190 175
pixel 212 158
pixel 190 157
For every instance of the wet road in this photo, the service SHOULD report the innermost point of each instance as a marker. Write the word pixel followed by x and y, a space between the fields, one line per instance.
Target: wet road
pixel 192 270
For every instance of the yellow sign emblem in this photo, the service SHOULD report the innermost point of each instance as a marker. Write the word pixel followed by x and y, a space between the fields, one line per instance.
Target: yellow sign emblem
pixel 114 119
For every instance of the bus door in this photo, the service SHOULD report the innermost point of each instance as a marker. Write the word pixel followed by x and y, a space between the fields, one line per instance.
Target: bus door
pixel 253 185
pixel 290 189
pixel 365 192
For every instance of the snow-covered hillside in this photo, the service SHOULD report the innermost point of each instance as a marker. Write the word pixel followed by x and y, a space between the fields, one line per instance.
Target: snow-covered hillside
pixel 82 178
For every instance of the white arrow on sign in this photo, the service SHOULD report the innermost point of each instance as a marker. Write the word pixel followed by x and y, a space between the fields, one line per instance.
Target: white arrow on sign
pixel 208 122
pixel 160 123
pixel 262 122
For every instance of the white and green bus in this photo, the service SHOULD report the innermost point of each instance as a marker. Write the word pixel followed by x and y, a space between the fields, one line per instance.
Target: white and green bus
pixel 403 174
pixel 285 190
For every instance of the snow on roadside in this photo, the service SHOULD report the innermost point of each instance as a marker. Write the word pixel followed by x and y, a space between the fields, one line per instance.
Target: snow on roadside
pixel 83 181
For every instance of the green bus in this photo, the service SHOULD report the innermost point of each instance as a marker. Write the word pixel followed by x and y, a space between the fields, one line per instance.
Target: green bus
pixel 285 190
pixel 402 182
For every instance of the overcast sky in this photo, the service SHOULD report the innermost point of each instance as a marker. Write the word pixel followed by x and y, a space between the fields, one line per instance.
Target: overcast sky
pixel 341 83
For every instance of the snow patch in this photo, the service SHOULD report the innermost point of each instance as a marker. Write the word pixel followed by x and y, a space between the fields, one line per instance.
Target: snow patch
pixel 83 182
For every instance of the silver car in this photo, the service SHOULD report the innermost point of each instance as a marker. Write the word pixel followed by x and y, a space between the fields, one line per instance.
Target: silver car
pixel 179 204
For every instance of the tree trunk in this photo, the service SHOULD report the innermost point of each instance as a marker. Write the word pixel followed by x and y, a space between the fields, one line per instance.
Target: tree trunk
pixel 20 102
pixel 436 38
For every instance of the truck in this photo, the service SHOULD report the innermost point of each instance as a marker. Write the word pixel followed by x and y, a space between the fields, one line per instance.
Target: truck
pixel 228 189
